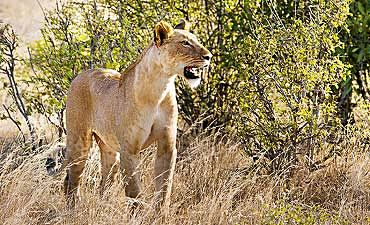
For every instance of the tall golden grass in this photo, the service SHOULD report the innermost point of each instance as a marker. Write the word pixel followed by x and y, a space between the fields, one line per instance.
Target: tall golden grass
pixel 214 184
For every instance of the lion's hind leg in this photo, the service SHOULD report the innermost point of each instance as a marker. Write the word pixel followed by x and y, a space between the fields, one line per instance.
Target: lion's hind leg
pixel 109 164
pixel 78 147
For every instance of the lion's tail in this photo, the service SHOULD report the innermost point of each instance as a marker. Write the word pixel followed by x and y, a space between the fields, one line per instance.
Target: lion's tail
pixel 55 162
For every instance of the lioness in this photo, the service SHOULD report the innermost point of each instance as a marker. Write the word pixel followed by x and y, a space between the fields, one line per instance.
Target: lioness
pixel 127 112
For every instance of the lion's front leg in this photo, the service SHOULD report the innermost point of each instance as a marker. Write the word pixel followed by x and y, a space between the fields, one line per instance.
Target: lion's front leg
pixel 164 169
pixel 129 163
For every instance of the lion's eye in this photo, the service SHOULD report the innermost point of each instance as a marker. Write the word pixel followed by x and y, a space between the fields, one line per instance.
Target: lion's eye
pixel 186 43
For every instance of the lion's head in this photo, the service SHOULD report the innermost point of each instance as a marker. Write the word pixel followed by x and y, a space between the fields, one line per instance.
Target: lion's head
pixel 181 49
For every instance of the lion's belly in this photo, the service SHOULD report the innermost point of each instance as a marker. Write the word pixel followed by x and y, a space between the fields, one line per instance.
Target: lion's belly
pixel 119 121
pixel 138 128
pixel 107 135
pixel 132 130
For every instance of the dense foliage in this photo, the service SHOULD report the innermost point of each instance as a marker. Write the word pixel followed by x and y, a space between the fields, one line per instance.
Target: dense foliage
pixel 356 53
pixel 281 76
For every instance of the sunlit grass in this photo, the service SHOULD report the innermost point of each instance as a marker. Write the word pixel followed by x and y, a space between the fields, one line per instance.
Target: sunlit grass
pixel 213 185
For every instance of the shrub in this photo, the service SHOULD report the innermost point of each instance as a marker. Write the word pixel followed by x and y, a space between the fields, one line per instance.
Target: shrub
pixel 272 78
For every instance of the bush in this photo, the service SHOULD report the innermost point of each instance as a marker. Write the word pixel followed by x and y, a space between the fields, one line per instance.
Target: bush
pixel 355 51
pixel 273 78
pixel 287 213
pixel 287 73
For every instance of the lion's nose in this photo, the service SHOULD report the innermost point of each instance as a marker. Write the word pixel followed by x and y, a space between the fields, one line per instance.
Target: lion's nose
pixel 207 57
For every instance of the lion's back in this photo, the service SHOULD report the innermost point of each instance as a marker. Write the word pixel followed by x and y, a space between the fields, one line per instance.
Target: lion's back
pixel 103 81
pixel 88 91
pixel 92 82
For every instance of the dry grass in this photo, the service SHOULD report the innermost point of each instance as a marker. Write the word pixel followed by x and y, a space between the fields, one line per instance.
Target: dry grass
pixel 213 185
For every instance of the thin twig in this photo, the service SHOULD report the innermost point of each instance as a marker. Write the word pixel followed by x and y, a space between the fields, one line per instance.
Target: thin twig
pixel 15 122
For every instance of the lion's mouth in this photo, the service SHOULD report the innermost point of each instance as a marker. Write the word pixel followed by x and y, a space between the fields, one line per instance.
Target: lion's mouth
pixel 192 72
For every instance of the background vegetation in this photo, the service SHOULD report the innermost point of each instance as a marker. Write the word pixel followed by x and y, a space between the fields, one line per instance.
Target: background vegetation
pixel 278 133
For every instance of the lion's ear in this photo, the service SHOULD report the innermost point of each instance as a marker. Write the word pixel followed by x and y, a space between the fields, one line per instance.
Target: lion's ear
pixel 183 25
pixel 162 31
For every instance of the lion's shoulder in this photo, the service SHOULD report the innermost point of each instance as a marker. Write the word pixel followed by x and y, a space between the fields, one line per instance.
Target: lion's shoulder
pixel 103 73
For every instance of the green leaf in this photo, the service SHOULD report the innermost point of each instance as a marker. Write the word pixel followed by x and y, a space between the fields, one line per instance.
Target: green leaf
pixel 361 55
pixel 347 91
pixel 361 8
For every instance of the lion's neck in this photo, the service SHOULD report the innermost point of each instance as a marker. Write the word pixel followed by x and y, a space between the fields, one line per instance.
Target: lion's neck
pixel 151 82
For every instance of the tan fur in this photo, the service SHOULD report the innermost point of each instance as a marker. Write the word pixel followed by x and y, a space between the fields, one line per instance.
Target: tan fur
pixel 127 113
